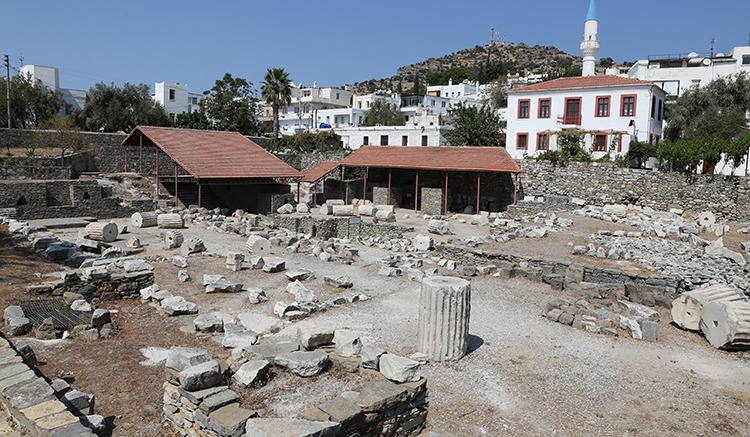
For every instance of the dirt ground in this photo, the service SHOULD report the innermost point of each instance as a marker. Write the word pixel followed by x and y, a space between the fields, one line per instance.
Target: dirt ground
pixel 523 376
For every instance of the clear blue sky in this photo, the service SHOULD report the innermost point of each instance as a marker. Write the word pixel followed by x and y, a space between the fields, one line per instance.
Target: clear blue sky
pixel 334 42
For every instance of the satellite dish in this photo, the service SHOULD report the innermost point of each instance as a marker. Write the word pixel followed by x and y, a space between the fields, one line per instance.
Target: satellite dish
pixel 706 62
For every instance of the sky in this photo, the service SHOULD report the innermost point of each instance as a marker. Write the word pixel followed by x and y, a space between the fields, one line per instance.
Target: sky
pixel 334 42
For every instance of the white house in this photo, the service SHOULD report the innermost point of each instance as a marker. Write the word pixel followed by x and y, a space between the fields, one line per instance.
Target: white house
pixel 176 98
pixel 607 110
pixel 306 103
pixel 424 130
pixel 678 73
pixel 50 77
pixel 466 93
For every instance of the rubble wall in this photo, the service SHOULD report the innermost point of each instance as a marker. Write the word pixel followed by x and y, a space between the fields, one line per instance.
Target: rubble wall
pixel 338 227
pixel 305 162
pixel 65 198
pixel 22 172
pixel 602 183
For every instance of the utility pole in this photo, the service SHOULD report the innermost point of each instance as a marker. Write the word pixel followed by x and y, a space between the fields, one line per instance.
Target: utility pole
pixel 7 83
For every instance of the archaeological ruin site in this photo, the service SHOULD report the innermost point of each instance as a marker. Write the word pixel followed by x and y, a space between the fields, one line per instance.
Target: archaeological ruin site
pixel 154 286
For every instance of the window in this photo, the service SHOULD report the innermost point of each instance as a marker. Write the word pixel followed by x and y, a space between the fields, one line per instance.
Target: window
pixel 366 141
pixel 522 142
pixel 424 140
pixel 338 96
pixel 602 106
pixel 572 111
pixel 544 108
pixel 306 93
pixel 696 83
pixel 661 109
pixel 653 106
pixel 384 140
pixel 523 109
pixel 627 109
pixel 443 104
pixel 171 94
pixel 542 142
pixel 651 139
pixel 404 140
pixel 600 143
pixel 432 103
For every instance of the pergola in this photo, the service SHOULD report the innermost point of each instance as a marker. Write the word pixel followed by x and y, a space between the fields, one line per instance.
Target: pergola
pixel 211 157
pixel 447 159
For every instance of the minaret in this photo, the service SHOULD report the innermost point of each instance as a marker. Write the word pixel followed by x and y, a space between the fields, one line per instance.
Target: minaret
pixel 590 45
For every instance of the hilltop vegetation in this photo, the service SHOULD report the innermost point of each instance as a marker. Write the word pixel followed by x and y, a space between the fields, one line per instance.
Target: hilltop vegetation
pixel 482 63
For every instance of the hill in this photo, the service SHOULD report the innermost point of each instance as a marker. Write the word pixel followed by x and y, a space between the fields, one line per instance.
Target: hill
pixel 483 63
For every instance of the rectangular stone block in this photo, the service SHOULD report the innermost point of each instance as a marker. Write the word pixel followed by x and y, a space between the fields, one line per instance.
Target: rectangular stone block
pixel 29 393
pixel 380 396
pixel 342 411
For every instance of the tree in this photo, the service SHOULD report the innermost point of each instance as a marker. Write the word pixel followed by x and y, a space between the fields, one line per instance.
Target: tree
pixel 474 126
pixel 497 94
pixel 606 62
pixel 110 108
pixel 193 120
pixel 277 91
pixel 717 109
pixel 737 150
pixel 231 105
pixel 60 132
pixel 456 74
pixel 383 113
pixel 30 102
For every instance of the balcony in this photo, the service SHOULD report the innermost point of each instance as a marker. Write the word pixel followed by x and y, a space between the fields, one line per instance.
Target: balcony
pixel 569 120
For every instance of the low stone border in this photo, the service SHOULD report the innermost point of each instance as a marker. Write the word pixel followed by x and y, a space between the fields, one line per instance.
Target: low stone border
pixel 32 401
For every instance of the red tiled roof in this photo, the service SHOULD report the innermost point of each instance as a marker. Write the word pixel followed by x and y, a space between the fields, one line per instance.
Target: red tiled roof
pixel 581 82
pixel 213 154
pixel 487 159
pixel 319 171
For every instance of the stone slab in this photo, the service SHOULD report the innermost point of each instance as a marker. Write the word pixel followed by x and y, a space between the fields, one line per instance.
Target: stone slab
pixel 380 396
pixel 29 393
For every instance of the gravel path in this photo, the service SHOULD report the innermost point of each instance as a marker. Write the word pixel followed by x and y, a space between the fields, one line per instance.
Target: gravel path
pixel 524 375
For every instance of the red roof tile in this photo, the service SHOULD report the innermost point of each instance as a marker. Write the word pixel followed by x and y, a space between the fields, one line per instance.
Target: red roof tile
pixel 319 171
pixel 581 82
pixel 479 159
pixel 213 154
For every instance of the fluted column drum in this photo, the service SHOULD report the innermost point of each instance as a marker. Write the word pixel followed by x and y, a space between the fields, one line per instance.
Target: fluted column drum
pixel 444 307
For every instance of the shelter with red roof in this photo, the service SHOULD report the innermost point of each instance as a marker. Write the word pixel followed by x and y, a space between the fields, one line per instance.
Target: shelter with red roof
pixel 213 168
pixel 604 112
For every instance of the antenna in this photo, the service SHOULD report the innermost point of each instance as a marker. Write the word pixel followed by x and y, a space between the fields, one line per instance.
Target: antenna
pixel 20 58
pixel 712 46
pixel 503 40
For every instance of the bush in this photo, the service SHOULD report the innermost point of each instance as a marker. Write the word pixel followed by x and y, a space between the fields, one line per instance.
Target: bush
pixel 9 161
pixel 323 142
pixel 639 152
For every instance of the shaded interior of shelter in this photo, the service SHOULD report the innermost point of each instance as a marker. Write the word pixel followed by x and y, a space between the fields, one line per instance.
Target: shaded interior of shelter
pixel 495 194
pixel 256 198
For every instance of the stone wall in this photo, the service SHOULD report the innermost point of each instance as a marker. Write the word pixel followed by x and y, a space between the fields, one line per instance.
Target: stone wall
pixel 302 163
pixel 433 200
pixel 22 172
pixel 601 183
pixel 107 286
pixel 382 408
pixel 668 286
pixel 338 227
pixel 71 198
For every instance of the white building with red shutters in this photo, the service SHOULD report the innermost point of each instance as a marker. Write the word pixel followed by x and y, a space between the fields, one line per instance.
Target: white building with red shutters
pixel 607 111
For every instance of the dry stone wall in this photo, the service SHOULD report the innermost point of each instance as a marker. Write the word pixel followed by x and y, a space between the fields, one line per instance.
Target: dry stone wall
pixel 602 183
pixel 66 198
pixel 338 227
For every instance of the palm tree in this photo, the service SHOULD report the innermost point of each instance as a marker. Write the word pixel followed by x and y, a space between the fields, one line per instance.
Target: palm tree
pixel 276 90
